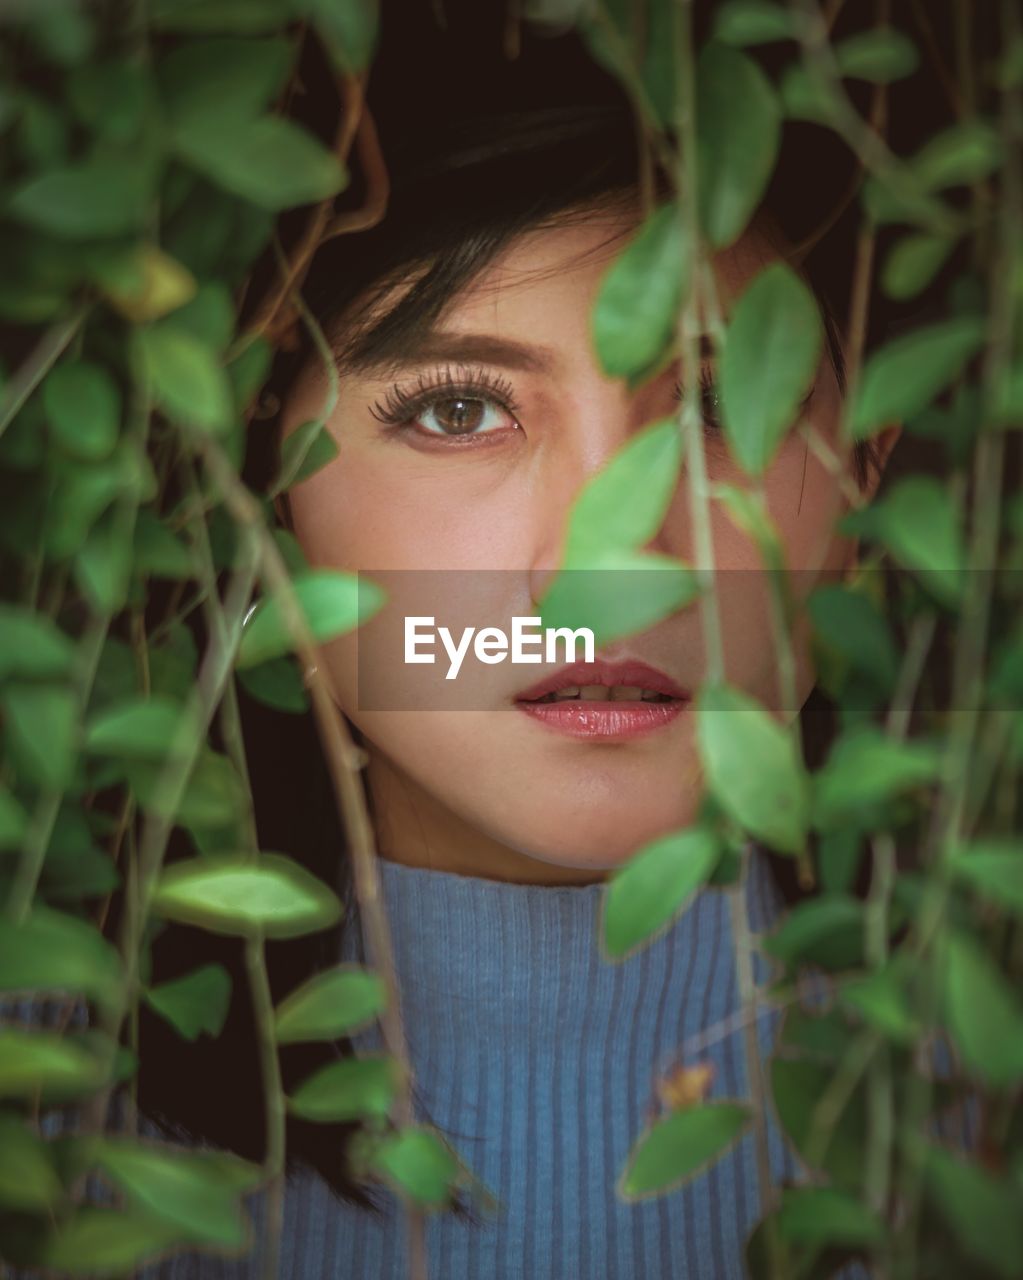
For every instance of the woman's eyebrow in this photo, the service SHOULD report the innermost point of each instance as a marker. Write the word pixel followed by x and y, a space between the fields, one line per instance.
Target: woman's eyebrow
pixel 482 347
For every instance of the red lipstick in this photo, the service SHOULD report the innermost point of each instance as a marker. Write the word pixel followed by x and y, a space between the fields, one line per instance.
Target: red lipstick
pixel 604 701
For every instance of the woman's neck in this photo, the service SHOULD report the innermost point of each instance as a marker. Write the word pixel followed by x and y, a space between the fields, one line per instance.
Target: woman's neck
pixel 415 829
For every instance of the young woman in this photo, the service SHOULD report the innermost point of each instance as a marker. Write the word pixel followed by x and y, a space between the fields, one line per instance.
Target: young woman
pixel 471 410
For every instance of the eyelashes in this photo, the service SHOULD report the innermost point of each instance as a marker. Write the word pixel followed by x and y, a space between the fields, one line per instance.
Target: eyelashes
pixel 399 406
pixel 710 400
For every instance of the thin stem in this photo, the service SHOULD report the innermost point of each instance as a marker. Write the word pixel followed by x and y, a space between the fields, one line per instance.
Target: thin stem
pixel 344 761
pixel 866 244
pixel 632 82
pixel 44 356
pixel 688 326
pixel 37 841
pixel 870 148
pixel 200 707
pixel 230 715
pixel 275 1106
pixel 742 944
pixel 956 812
pixel 355 124
pixel 829 1106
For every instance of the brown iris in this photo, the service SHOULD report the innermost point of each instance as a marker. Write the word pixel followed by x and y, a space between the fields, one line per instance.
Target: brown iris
pixel 465 415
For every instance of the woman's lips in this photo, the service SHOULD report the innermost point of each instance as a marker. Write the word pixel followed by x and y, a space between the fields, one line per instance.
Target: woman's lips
pixel 604 720
pixel 607 701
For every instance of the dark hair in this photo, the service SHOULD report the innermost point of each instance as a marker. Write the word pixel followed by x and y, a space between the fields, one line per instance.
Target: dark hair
pixel 461 187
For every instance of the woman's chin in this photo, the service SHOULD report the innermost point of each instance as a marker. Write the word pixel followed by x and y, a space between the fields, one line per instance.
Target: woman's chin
pixel 600 837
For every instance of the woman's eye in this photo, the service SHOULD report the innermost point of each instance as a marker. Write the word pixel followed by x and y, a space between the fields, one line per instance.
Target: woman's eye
pixel 710 403
pixel 461 416
pixel 448 404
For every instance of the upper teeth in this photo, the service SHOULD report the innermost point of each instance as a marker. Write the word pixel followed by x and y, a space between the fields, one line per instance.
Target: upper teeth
pixel 605 693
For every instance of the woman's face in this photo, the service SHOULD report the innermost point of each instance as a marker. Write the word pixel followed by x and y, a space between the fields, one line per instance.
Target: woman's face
pixel 479 484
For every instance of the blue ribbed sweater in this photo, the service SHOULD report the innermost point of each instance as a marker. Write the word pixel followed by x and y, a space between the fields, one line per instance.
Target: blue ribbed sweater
pixel 537 1059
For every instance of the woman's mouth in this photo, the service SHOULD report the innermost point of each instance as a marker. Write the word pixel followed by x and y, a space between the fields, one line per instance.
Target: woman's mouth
pixel 606 701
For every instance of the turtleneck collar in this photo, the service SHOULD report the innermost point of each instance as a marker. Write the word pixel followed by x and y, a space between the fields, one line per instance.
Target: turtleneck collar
pixel 490 956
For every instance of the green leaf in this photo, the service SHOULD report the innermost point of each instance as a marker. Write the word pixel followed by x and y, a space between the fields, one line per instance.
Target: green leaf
pixel 181 1187
pixel 238 17
pixel 881 999
pixel 825 1216
pixel 913 263
pixel 196 1003
pixel 215 795
pixel 145 283
pixel 634 317
pixel 618 595
pixel 804 97
pixel 50 951
pixel 622 507
pixel 113 97
pixel 188 380
pixel 303 452
pixel 964 154
pixel 633 53
pixel 983 1012
pixel 206 80
pixel 917 522
pixel 336 1003
pixel 248 371
pixel 85 489
pixel 981 1211
pixel 993 868
pixel 418 1164
pixel 75 866
pixel 906 375
pixel 752 767
pixel 60 1067
pixel 157 551
pixel 331 601
pixel 173 662
pixel 238 154
pixel 28 1180
pixel 880 55
pixel 865 767
pixel 1009 73
pixel 31 645
pixel 349 31
pixel 890 199
pixel 41 722
pixel 738 135
pixel 83 405
pixel 772 347
pixel 139 727
pixel 348 1089
pixel 796 1087
pixel 824 931
pixel 750 22
pixel 654 886
pixel 101 197
pixel 107 1242
pixel 276 684
pixel 679 1146
pixel 269 895
pixel 102 566
pixel 849 622
pixel 209 315
pixel 749 512
pixel 13 820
